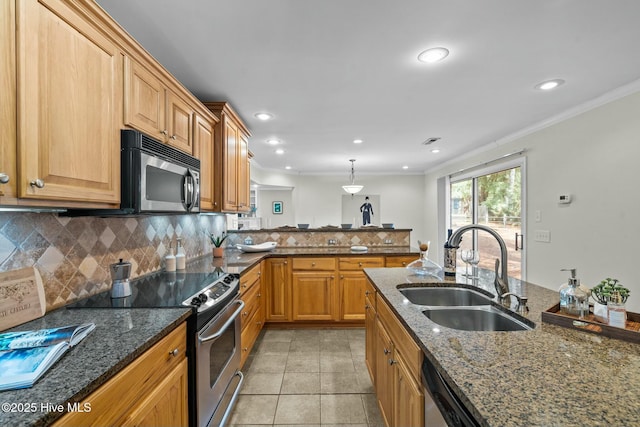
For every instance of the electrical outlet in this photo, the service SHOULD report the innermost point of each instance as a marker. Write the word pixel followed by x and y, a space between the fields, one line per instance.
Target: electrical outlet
pixel 542 236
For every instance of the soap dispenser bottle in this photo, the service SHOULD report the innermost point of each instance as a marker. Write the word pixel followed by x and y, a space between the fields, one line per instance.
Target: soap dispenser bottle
pixel 180 255
pixel 574 300
pixel 170 260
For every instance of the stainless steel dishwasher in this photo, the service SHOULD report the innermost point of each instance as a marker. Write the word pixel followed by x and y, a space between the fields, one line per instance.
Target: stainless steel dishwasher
pixel 441 406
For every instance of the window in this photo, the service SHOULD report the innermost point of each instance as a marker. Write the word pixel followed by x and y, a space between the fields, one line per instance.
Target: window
pixel 491 196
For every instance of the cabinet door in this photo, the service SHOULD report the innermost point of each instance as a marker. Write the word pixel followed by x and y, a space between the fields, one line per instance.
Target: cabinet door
pixel 230 180
pixel 167 404
pixel 277 289
pixel 69 105
pixel 370 338
pixel 313 295
pixel 179 117
pixel 203 145
pixel 384 373
pixel 8 176
pixel 144 100
pixel 408 398
pixel 352 287
pixel 243 172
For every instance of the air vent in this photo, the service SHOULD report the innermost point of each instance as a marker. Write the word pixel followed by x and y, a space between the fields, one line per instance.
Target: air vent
pixel 430 141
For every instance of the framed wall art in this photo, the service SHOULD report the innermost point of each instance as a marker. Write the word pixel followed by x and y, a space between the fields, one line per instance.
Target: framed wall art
pixel 276 208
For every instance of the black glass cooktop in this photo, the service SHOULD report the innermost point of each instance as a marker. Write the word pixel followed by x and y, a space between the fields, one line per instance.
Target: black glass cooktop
pixel 160 289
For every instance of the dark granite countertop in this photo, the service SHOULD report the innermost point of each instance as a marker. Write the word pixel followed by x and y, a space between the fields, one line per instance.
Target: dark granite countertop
pixel 328 228
pixel 120 336
pixel 549 376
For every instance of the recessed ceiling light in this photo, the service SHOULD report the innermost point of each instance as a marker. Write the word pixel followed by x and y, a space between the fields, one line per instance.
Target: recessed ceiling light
pixel 358 141
pixel 435 150
pixel 279 151
pixel 434 54
pixel 273 141
pixel 405 167
pixel 549 84
pixel 264 116
pixel 287 167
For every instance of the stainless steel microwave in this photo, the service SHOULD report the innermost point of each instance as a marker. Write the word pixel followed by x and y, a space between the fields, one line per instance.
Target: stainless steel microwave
pixel 157 178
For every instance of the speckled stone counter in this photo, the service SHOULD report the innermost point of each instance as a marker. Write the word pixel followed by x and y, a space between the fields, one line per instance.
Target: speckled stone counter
pixel 119 337
pixel 549 376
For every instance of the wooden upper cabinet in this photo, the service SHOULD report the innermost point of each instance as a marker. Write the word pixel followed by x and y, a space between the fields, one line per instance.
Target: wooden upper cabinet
pixel 203 141
pixel 69 83
pixel 179 117
pixel 154 109
pixel 144 106
pixel 8 106
pixel 232 147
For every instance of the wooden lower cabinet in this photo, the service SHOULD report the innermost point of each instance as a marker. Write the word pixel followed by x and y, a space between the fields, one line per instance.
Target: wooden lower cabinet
pixel 151 391
pixel 370 330
pixel 313 295
pixel 352 302
pixel 276 284
pixel 397 360
pixel 252 316
pixel 400 260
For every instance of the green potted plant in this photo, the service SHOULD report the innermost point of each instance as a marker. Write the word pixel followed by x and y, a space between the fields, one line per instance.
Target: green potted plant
pixel 601 293
pixel 216 241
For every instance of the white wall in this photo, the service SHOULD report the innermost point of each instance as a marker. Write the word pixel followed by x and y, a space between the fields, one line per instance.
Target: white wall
pixel 265 211
pixel 317 199
pixel 594 156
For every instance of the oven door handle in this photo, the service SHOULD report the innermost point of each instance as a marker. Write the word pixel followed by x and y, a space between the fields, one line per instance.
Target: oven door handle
pixel 226 324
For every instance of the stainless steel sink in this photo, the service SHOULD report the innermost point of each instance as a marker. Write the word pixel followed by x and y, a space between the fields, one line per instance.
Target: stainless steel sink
pixel 445 296
pixel 481 318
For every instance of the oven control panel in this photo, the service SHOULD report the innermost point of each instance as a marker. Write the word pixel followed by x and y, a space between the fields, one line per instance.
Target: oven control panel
pixel 214 293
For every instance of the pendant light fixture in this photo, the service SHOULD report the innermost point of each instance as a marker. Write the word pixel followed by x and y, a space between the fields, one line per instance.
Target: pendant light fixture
pixel 352 188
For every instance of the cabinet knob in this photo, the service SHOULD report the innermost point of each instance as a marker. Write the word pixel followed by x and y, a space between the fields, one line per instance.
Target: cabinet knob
pixel 164 132
pixel 359 264
pixel 245 349
pixel 392 362
pixel 386 351
pixel 174 352
pixel 313 264
pixel 259 295
pixel 367 293
pixel 342 276
pixel 366 307
pixel 173 137
pixel 404 263
pixel 285 263
pixel 37 183
pixel 245 313
pixel 4 178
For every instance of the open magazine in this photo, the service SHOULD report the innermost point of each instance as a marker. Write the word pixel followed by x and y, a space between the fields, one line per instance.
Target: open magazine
pixel 26 355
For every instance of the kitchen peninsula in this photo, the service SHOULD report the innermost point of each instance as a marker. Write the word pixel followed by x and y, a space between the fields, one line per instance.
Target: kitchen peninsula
pixel 546 376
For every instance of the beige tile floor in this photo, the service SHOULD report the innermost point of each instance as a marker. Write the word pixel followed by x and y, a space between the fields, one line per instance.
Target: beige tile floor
pixel 307 377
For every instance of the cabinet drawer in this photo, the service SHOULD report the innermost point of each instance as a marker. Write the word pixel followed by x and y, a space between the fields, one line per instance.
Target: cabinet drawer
pixel 358 263
pixel 400 337
pixel 400 260
pixel 248 278
pixel 252 301
pixel 250 334
pixel 314 263
pixel 118 396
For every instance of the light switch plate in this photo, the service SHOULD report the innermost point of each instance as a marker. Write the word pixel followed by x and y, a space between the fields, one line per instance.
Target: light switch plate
pixel 542 236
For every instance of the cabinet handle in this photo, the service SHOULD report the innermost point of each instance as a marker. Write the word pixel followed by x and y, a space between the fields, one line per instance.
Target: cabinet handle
pixel 164 132
pixel 245 349
pixel 367 293
pixel 246 313
pixel 173 137
pixel 285 263
pixel 259 295
pixel 342 276
pixel 404 263
pixel 174 352
pixel 386 351
pixel 37 183
pixel 313 264
pixel 4 178
pixel 359 264
pixel 392 362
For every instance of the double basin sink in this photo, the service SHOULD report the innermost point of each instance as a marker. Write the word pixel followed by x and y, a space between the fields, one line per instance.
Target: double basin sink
pixel 462 308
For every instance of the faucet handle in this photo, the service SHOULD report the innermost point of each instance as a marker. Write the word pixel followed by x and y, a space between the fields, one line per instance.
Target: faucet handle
pixel 521 301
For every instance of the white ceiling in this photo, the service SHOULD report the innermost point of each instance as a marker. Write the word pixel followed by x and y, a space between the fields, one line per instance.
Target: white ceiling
pixel 331 71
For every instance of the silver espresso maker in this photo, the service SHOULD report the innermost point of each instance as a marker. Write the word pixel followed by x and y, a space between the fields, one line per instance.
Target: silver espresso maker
pixel 120 273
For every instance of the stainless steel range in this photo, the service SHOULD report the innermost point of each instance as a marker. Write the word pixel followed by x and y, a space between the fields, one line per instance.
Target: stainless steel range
pixel 214 338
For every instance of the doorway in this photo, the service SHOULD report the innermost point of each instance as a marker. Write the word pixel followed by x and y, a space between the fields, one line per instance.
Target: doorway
pixel 491 196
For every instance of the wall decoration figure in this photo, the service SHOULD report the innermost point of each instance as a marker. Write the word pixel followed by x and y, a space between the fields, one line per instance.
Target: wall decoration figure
pixel 367 211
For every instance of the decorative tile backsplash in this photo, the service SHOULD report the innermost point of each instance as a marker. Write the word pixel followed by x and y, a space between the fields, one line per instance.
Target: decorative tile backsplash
pixel 320 237
pixel 73 254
